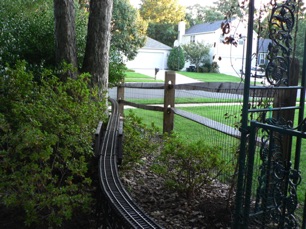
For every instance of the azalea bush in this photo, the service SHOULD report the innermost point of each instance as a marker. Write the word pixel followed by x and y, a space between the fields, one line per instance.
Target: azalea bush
pixel 187 167
pixel 46 138
pixel 140 140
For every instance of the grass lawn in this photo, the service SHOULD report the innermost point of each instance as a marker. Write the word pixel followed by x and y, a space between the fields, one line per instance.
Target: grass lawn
pixel 138 77
pixel 211 77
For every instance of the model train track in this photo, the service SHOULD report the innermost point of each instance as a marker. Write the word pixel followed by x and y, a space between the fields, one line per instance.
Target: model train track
pixel 118 198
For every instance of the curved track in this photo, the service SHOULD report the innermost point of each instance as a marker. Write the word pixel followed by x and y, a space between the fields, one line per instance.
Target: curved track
pixel 116 195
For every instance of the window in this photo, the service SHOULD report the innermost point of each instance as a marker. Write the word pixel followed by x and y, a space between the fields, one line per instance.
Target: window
pixel 261 58
pixel 192 39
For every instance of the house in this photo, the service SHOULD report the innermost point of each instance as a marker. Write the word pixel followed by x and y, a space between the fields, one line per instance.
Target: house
pixel 230 57
pixel 153 55
pixel 263 49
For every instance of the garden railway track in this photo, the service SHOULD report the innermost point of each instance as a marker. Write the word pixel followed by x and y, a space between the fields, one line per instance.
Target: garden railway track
pixel 120 202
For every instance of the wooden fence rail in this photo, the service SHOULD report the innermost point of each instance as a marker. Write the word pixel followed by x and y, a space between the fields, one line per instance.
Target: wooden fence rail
pixel 168 107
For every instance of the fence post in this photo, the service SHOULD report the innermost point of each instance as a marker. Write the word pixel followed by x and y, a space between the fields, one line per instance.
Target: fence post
pixel 169 97
pixel 120 98
pixel 285 98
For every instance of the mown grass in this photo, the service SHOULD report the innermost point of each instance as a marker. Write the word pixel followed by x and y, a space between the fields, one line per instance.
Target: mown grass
pixel 138 77
pixel 185 100
pixel 211 77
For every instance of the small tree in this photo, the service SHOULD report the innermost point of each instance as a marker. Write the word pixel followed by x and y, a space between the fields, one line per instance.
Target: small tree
pixel 197 53
pixel 176 59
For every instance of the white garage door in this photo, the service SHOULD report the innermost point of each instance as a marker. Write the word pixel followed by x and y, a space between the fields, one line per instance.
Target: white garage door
pixel 147 60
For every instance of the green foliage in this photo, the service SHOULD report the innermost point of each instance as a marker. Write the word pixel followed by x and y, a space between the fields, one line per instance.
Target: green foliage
pixel 162 11
pixel 186 168
pixel 46 135
pixel 139 140
pixel 165 33
pixel 27 33
pixel 128 30
pixel 116 68
pixel 197 53
pixel 198 14
pixel 210 67
pixel 231 9
pixel 163 17
pixel 176 59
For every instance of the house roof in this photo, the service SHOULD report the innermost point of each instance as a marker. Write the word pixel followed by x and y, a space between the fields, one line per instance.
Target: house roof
pixel 205 27
pixel 154 44
pixel 263 44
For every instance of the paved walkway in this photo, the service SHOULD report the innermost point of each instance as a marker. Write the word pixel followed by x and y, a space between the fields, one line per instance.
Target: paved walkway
pixel 180 79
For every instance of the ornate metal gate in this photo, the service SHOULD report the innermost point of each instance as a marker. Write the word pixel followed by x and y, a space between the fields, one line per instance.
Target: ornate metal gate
pixel 270 150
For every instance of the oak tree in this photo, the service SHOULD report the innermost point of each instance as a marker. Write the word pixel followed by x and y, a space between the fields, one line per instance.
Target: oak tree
pixel 65 37
pixel 96 59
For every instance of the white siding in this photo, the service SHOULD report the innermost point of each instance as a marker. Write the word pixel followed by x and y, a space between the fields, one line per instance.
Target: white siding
pixel 231 57
pixel 149 59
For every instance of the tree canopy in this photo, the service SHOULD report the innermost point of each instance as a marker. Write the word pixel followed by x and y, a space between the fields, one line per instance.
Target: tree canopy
pixel 163 17
pixel 198 14
pixel 197 53
pixel 128 29
pixel 162 11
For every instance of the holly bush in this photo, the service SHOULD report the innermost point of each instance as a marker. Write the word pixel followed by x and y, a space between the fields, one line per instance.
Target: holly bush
pixel 46 136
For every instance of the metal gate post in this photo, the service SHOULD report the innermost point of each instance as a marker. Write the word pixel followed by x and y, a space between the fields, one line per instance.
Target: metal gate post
pixel 244 123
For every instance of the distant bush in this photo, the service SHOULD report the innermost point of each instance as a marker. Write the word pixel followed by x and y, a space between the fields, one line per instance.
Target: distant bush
pixel 46 135
pixel 186 168
pixel 176 59
pixel 210 67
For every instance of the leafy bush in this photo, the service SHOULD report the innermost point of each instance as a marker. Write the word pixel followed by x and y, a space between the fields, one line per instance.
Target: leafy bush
pixel 176 59
pixel 46 135
pixel 138 140
pixel 27 33
pixel 186 168
pixel 197 53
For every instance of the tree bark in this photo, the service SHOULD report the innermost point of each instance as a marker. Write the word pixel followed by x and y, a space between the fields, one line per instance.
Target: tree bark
pixel 96 59
pixel 65 40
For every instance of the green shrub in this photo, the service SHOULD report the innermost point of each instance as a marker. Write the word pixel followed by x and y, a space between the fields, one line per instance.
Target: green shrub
pixel 176 59
pixel 27 33
pixel 186 168
pixel 140 140
pixel 46 135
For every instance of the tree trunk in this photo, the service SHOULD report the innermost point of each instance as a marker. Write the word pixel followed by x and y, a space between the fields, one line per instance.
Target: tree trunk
pixel 65 40
pixel 96 59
